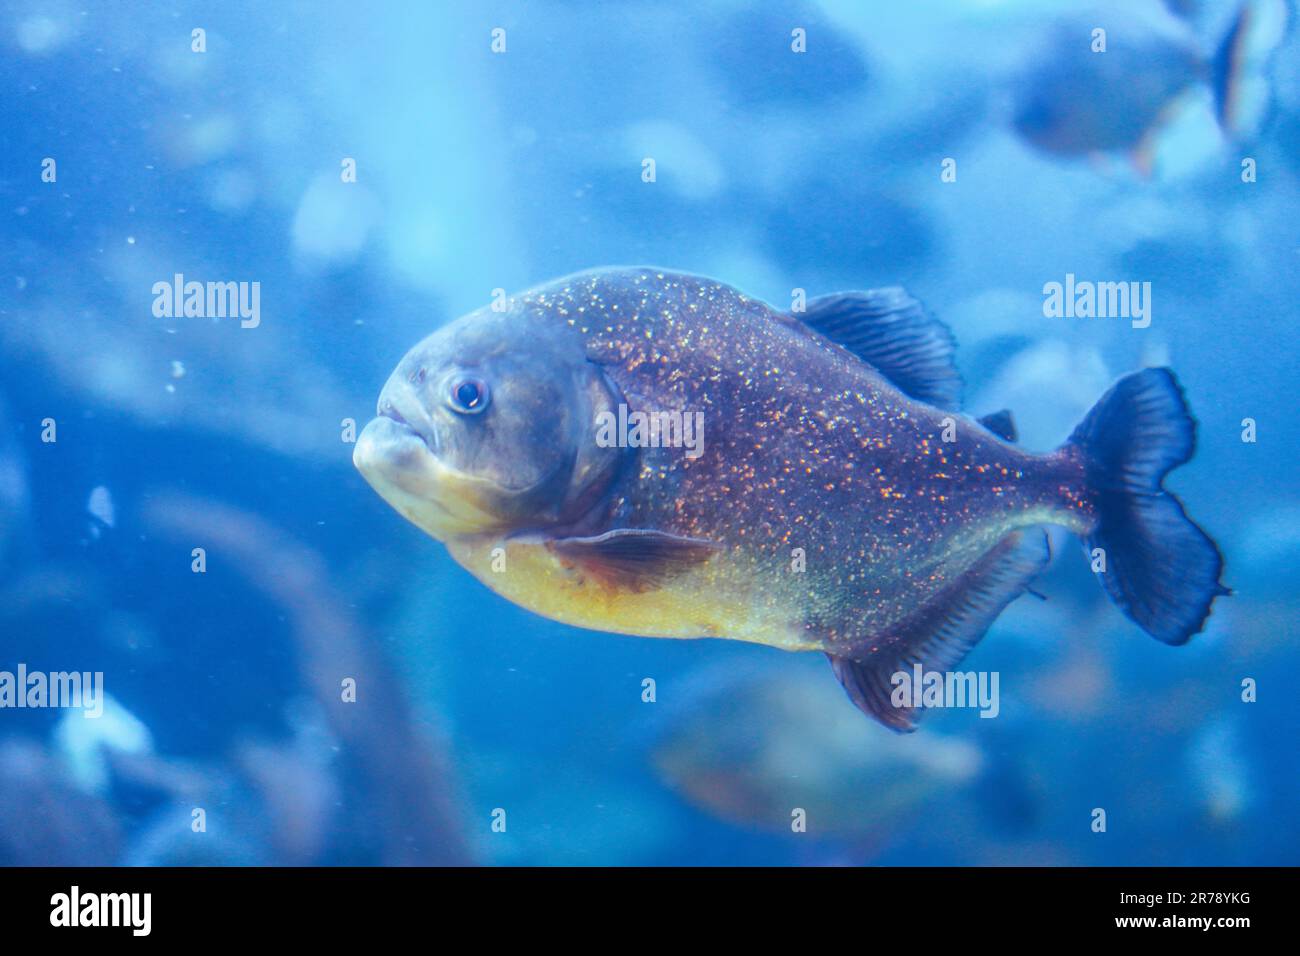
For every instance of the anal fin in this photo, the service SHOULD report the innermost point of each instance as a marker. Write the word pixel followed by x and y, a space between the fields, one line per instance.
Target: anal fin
pixel 939 635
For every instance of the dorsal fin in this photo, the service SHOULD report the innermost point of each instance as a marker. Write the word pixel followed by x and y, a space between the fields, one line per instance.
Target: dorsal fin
pixel 1001 424
pixel 893 333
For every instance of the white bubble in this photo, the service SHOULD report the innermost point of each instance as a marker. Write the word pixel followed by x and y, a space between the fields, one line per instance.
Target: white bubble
pixel 100 505
pixel 41 34
pixel 684 163
pixel 84 744
pixel 333 221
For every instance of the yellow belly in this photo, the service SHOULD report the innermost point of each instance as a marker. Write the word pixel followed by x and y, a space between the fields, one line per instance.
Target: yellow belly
pixel 707 601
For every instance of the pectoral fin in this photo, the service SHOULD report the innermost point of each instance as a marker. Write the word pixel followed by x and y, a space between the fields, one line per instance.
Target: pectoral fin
pixel 632 559
pixel 940 634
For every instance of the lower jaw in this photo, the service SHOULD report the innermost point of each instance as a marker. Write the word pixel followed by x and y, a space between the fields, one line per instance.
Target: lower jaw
pixel 430 515
pixel 427 515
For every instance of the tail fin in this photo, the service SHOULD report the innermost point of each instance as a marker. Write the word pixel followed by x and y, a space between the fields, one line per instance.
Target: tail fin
pixel 1239 68
pixel 1160 568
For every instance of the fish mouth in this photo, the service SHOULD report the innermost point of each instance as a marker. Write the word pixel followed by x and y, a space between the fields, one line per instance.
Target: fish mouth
pixel 403 427
pixel 389 450
pixel 399 461
pixel 396 416
pixel 402 407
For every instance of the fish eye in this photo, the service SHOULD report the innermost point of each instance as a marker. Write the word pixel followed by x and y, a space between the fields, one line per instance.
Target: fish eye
pixel 469 396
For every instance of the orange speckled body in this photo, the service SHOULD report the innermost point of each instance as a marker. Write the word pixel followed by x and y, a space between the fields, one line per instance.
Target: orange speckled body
pixel 838 506
pixel 827 494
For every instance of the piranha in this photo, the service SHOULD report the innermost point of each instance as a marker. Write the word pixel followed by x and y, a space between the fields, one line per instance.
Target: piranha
pixel 839 502
pixel 1088 95
pixel 747 744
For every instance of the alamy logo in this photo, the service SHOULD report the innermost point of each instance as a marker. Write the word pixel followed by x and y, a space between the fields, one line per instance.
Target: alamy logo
pixel 71 689
pixel 1102 300
pixel 75 908
pixel 208 300
pixel 939 689
pixel 651 430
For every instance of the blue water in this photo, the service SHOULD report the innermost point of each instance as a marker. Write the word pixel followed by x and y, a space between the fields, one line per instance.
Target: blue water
pixel 225 738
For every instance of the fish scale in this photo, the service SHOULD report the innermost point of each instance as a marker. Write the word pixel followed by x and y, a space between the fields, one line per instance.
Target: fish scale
pixel 816 451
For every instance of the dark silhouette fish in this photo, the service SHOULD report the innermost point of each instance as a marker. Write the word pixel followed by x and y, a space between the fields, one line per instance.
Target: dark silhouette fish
pixel 748 745
pixel 1077 99
pixel 832 497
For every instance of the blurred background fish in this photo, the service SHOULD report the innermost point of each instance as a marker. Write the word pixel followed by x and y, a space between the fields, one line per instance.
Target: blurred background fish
pixel 751 748
pixel 1115 78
